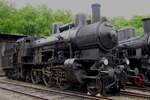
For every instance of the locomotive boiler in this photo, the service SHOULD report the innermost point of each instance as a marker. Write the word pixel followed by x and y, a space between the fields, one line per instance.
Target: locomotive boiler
pixel 76 55
pixel 137 50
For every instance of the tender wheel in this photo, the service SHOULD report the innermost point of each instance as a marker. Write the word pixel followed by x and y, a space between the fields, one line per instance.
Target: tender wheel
pixel 17 73
pixel 35 76
pixel 9 74
pixel 28 78
pixel 47 77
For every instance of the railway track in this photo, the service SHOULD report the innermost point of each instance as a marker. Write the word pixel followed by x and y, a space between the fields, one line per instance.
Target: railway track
pixel 46 94
pixel 143 89
pixel 141 92
pixel 135 94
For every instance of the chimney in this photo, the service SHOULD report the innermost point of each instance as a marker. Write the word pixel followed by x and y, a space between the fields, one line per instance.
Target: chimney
pixel 96 12
pixel 80 20
pixel 146 25
pixel 56 26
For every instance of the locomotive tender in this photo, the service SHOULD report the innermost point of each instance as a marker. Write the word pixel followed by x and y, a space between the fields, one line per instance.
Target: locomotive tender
pixel 77 55
pixel 137 50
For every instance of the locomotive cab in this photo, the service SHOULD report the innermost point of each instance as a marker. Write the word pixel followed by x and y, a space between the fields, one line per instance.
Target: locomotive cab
pixel 24 49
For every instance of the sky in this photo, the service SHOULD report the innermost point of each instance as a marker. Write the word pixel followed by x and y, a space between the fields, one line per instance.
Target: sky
pixel 125 8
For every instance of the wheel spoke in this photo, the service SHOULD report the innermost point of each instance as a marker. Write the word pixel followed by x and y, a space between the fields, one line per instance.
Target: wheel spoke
pixel 47 77
pixel 35 77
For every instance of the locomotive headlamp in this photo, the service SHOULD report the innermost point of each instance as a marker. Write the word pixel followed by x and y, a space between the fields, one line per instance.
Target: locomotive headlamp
pixel 105 61
pixel 127 61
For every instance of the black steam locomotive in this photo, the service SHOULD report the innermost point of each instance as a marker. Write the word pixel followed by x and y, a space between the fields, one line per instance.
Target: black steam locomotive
pixel 137 50
pixel 76 55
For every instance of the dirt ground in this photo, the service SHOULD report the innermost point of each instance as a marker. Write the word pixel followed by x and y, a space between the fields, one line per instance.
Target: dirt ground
pixel 7 95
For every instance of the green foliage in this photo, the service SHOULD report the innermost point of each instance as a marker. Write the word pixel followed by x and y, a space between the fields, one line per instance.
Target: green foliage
pixel 135 21
pixel 36 21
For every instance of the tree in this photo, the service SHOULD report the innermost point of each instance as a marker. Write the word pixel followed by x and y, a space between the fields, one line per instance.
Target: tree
pixel 36 21
pixel 135 21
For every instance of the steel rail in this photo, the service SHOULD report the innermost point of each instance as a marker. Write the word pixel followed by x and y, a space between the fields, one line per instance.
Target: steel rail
pixel 67 93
